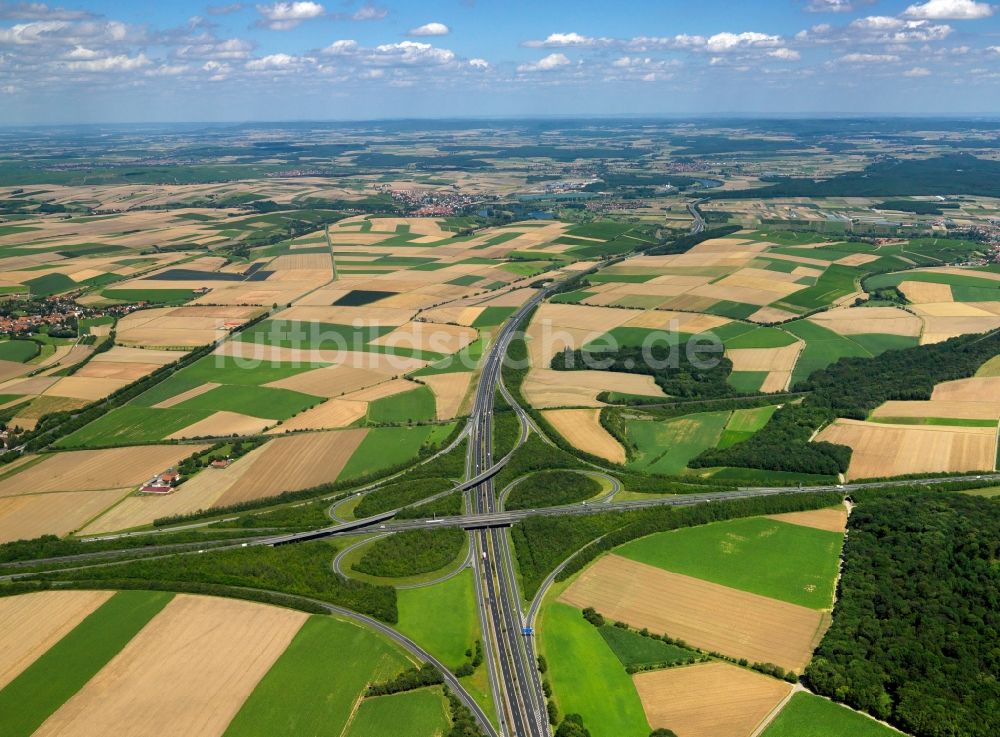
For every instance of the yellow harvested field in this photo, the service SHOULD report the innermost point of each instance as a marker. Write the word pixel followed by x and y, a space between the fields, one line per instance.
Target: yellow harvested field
pixel 10 369
pixel 779 362
pixel 831 519
pixel 187 672
pixel 127 371
pixel 728 245
pixel 31 515
pixel 428 336
pixel 583 430
pixel 545 341
pixel 685 322
pixel 709 699
pixel 858 320
pixel 894 450
pixel 32 623
pixel 84 387
pixel 383 390
pixel 546 388
pixel 198 493
pixel 293 463
pixel 771 314
pixel 190 325
pixel 331 381
pixel 749 291
pixel 223 423
pixel 985 409
pixel 937 329
pixel 976 389
pixel 449 391
pixel 951 309
pixel 126 354
pixel 990 369
pixel 857 259
pixel 44 405
pixel 111 468
pixel 332 414
pixel 598 319
pixel 922 292
pixel 713 617
pixel 189 394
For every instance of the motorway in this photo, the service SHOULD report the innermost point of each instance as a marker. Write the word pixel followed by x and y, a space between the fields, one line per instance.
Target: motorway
pixel 521 703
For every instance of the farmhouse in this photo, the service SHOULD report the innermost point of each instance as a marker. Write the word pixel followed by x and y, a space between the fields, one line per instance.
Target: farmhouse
pixel 162 483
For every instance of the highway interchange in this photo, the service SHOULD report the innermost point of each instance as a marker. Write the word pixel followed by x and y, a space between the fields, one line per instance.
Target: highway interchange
pixel 509 651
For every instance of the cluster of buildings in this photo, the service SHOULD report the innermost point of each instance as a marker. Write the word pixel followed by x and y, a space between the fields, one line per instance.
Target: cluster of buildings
pixel 435 203
pixel 55 314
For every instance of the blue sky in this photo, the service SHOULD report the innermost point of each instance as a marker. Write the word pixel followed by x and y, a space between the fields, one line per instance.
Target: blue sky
pixel 104 61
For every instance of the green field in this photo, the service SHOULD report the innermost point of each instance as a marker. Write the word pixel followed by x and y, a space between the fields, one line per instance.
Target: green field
pixel 153 296
pixel 666 447
pixel 18 350
pixel 127 425
pixel 258 401
pixel 586 676
pixel 385 447
pixel 420 713
pixel 747 382
pixel 633 649
pixel 441 618
pixel 806 715
pixel 45 685
pixel 783 561
pixel 312 688
pixel 822 348
pixel 761 338
pixel 743 423
pixel 411 406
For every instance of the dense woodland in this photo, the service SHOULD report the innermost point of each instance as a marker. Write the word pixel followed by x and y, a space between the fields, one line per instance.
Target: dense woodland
pixel 301 570
pixel 670 367
pixel 916 628
pixel 412 552
pixel 851 388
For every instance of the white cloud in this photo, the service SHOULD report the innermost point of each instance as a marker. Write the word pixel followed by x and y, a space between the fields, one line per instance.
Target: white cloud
pixel 40 11
pixel 430 29
pixel 120 63
pixel 545 64
pixel 210 48
pixel 369 12
pixel 917 72
pixel 785 54
pixel 225 9
pixel 217 70
pixel 857 58
pixel 949 10
pixel 273 62
pixel 8 89
pixel 830 6
pixel 886 29
pixel 410 53
pixel 729 41
pixel 167 70
pixel 566 40
pixel 343 47
pixel 479 64
pixel 31 33
pixel 285 16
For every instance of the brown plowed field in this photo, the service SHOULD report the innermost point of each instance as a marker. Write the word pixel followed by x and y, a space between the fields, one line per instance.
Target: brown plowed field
pixel 187 672
pixel 713 617
pixel 709 699
pixel 32 623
